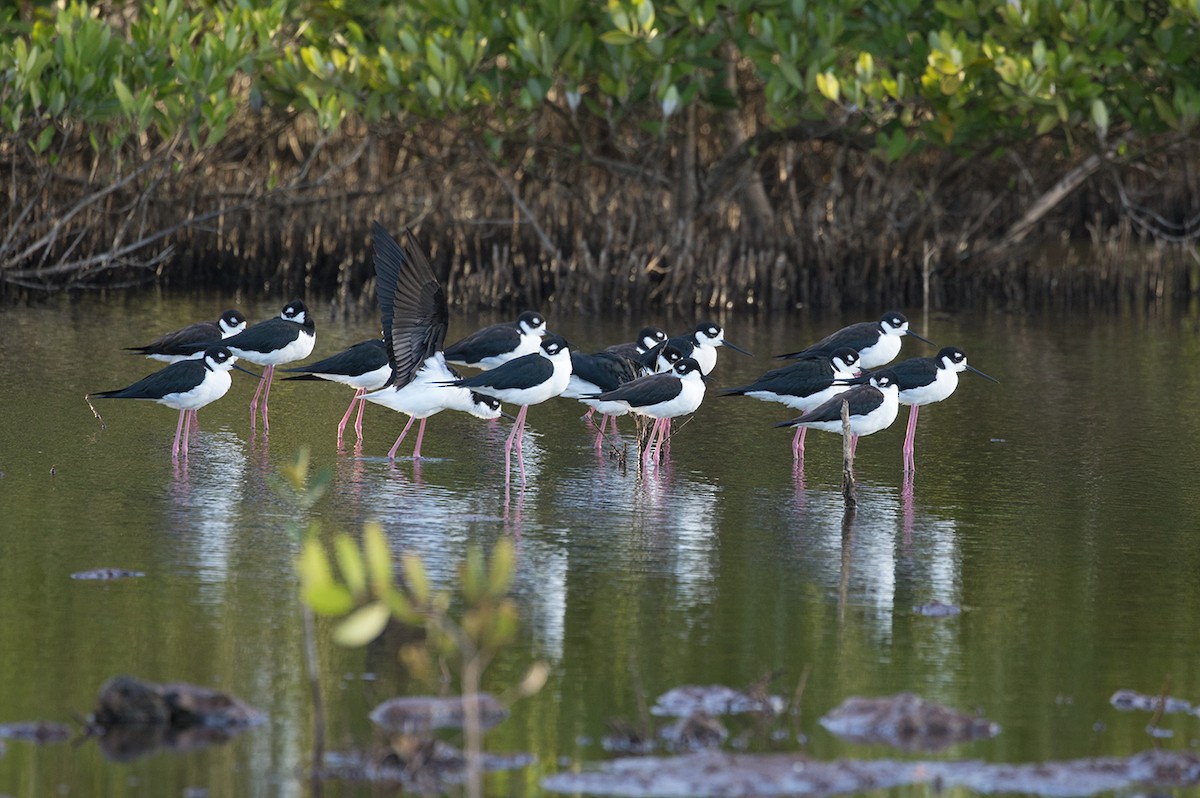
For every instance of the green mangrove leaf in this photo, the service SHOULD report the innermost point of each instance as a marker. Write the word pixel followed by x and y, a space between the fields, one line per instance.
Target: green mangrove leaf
pixel 362 626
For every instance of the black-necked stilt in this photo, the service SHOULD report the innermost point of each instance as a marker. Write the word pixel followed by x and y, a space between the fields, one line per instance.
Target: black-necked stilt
pixel 804 385
pixel 364 367
pixel 427 394
pixel 661 358
pixel 705 339
pixel 499 343
pixel 707 336
pixel 186 385
pixel 525 381
pixel 662 397
pixel 284 339
pixel 414 318
pixel 877 342
pixel 647 339
pixel 873 407
pixel 925 380
pixel 181 344
pixel 595 374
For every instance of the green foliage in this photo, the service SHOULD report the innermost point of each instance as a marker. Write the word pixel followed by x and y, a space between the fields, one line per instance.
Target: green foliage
pixel 971 74
pixel 170 71
pixel 363 592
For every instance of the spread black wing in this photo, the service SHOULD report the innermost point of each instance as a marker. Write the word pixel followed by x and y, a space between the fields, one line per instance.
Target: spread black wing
pixel 412 304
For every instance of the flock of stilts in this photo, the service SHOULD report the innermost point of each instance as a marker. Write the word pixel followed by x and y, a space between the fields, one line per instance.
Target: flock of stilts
pixel 660 378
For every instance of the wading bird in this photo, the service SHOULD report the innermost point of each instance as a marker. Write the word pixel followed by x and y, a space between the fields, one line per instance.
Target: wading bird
pixel 873 407
pixel 180 344
pixel 414 316
pixel 595 374
pixel 525 381
pixel 186 385
pixel 647 339
pixel 804 385
pixel 662 397
pixel 364 367
pixel 499 343
pixel 925 380
pixel 877 342
pixel 705 339
pixel 284 339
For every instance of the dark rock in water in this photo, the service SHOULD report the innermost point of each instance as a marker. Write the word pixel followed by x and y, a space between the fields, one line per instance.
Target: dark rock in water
pixel 38 731
pixel 697 732
pixel 125 701
pixel 1149 769
pixel 716 699
pixel 421 714
pixel 419 765
pixel 720 775
pixel 133 717
pixel 905 721
pixel 936 609
pixel 1128 700
pixel 106 574
pixel 624 738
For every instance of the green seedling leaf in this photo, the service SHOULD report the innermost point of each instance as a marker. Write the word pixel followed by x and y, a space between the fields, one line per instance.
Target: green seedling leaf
pixel 363 625
pixel 502 568
pixel 351 565
pixel 416 578
pixel 379 558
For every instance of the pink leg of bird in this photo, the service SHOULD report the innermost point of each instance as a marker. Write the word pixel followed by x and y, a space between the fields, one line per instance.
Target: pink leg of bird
pixel 521 450
pixel 349 410
pixel 268 373
pixel 588 417
pixel 420 437
pixel 358 421
pixel 396 445
pixel 254 402
pixel 600 433
pixel 187 431
pixel 853 444
pixel 514 435
pixel 910 439
pixel 650 440
pixel 661 430
pixel 798 443
pixel 614 425
pixel 178 434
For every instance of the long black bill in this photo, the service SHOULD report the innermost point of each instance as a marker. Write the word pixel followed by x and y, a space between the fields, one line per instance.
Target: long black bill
pixel 981 374
pixel 919 337
pixel 248 371
pixel 734 347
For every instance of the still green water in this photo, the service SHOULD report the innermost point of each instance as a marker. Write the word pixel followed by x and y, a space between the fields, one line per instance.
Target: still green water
pixel 1059 509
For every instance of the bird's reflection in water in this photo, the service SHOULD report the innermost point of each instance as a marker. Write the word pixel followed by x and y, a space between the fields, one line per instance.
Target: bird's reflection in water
pixel 887 556
pixel 205 501
pixel 659 522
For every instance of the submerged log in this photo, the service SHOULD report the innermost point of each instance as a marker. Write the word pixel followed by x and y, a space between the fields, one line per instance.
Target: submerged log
pixel 422 714
pixel 134 717
pixel 905 721
pixel 37 731
pixel 716 699
pixel 718 775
